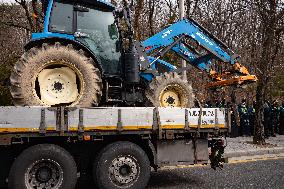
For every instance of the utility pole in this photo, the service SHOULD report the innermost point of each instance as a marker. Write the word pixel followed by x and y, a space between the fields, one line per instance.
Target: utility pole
pixel 181 16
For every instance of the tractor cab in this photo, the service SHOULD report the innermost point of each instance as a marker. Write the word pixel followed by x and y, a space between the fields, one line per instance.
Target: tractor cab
pixel 88 22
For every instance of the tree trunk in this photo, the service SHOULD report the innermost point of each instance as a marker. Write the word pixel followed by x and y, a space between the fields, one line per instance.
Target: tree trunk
pixel 138 11
pixel 258 137
pixel 151 16
pixel 235 106
pixel 36 16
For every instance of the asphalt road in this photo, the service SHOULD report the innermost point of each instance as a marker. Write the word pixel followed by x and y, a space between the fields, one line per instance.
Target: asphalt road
pixel 268 174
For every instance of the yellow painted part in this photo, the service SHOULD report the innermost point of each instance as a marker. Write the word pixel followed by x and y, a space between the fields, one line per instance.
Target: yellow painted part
pixel 24 130
pixel 106 128
pixel 192 126
pixel 230 162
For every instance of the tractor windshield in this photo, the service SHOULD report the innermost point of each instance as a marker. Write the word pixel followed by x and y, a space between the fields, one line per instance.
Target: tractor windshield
pixel 101 36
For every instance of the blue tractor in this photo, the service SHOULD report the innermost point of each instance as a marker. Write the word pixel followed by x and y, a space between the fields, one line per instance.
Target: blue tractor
pixel 86 56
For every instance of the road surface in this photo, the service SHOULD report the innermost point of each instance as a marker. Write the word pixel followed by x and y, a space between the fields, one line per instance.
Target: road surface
pixel 266 174
pixel 246 175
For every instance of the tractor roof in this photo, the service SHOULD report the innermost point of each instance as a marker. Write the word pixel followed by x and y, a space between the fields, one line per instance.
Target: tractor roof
pixel 98 2
pixel 103 3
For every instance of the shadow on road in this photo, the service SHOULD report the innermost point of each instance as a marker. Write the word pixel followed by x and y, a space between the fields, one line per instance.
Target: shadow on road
pixel 168 178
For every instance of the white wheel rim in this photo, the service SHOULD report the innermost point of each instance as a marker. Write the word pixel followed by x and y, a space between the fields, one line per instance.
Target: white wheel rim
pixel 172 96
pixel 58 86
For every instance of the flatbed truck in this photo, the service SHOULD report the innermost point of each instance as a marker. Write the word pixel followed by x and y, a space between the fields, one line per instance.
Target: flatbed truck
pixel 54 147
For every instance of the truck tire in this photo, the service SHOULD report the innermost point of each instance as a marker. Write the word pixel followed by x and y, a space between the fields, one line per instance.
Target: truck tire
pixel 170 90
pixel 43 166
pixel 55 75
pixel 122 165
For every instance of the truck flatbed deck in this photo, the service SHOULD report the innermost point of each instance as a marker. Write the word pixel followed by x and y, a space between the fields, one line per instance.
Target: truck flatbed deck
pixel 49 120
pixel 117 146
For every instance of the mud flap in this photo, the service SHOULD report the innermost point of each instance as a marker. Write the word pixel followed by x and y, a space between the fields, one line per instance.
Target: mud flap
pixel 217 152
pixel 182 152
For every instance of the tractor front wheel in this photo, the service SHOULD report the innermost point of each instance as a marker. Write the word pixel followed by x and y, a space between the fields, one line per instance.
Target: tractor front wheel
pixel 170 90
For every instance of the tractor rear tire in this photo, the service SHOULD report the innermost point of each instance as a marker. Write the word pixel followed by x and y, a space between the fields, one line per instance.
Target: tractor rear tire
pixel 70 78
pixel 170 90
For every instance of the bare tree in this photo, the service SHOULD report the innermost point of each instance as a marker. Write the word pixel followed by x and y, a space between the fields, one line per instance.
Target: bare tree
pixel 137 16
pixel 270 14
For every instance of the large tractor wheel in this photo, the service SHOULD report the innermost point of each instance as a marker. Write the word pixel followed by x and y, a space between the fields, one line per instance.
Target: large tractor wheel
pixel 55 75
pixel 170 90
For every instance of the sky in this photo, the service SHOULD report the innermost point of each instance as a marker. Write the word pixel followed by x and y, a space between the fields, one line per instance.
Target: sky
pixel 13 1
pixel 7 1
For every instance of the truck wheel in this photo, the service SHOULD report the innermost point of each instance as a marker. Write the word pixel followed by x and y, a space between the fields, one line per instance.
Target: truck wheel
pixel 122 165
pixel 170 90
pixel 43 166
pixel 55 75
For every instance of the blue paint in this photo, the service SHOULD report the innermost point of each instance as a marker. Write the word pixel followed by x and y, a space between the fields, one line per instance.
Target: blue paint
pixel 202 63
pixel 159 61
pixel 147 76
pixel 50 35
pixel 185 27
pixel 164 39
pixel 107 3
pixel 46 32
pixel 47 16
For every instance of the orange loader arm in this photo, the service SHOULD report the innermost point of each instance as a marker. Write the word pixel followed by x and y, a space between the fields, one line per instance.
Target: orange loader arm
pixel 238 76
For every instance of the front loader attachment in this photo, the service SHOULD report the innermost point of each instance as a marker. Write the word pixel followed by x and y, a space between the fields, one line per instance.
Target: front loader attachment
pixel 238 76
pixel 199 48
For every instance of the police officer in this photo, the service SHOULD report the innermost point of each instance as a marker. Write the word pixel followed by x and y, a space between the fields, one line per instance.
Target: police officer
pixel 251 112
pixel 196 104
pixel 281 119
pixel 223 104
pixel 234 125
pixel 267 118
pixel 274 118
pixel 208 104
pixel 244 119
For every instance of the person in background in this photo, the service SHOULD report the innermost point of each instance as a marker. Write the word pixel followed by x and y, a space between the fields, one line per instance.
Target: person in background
pixel 267 118
pixel 196 104
pixel 216 104
pixel 281 119
pixel 223 104
pixel 274 118
pixel 208 104
pixel 251 112
pixel 234 126
pixel 244 119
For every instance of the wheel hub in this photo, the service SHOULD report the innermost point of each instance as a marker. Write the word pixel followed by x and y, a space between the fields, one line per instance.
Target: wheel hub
pixel 124 171
pixel 170 98
pixel 44 174
pixel 58 86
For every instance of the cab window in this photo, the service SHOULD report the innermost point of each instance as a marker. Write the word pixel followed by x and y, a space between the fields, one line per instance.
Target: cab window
pixel 61 19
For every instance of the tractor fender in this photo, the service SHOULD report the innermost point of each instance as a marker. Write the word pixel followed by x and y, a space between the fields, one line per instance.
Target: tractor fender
pixel 64 41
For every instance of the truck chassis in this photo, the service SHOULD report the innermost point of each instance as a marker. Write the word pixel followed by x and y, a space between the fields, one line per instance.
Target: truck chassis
pixel 44 147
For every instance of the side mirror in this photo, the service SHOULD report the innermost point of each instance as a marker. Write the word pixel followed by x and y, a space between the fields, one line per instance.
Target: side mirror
pixel 80 35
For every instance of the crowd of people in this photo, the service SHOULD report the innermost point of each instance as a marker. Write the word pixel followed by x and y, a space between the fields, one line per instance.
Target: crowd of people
pixel 273 117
